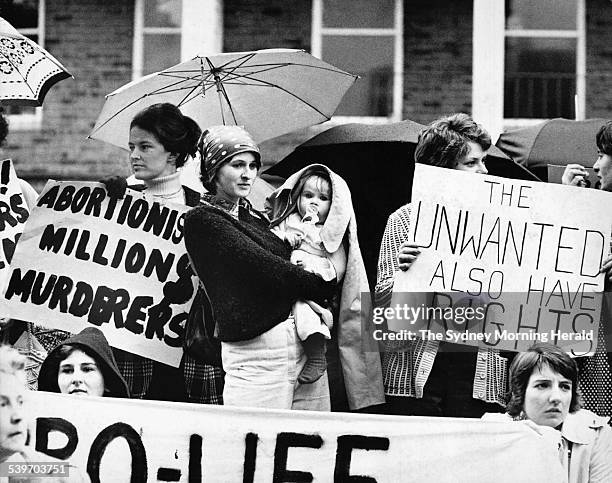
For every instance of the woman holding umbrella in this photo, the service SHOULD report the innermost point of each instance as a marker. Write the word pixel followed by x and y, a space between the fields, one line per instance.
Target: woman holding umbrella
pixel 250 281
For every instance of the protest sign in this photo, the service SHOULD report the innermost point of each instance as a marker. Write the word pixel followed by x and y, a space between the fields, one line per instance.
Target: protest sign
pixel 506 262
pixel 13 215
pixel 116 439
pixel 119 264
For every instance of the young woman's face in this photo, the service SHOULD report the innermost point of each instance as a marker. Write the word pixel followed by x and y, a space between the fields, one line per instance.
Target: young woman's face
pixel 316 197
pixel 148 156
pixel 548 397
pixel 603 170
pixel 235 178
pixel 13 423
pixel 473 161
pixel 79 374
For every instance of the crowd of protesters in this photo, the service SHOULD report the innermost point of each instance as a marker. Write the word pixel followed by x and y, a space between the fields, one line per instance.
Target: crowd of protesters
pixel 285 287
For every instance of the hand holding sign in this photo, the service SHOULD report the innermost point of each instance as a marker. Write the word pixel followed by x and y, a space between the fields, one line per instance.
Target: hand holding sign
pixel 408 253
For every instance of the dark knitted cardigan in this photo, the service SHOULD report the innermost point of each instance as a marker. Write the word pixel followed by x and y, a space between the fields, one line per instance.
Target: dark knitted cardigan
pixel 245 269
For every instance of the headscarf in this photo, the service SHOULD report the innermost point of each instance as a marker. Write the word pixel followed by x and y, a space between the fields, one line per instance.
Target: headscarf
pixel 219 143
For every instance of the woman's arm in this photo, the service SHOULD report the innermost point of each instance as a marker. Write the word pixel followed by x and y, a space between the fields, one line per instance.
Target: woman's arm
pixel 395 235
pixel 217 243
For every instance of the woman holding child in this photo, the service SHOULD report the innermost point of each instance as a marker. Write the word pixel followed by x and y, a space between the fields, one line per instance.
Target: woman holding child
pixel 252 285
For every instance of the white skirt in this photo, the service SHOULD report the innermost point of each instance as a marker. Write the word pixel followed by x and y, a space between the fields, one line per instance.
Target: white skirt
pixel 262 372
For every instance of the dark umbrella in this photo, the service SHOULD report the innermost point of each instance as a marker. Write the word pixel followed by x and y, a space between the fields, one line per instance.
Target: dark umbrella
pixel 377 162
pixel 555 141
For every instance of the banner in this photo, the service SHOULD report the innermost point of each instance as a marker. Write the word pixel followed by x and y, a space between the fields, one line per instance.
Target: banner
pixel 13 215
pixel 507 263
pixel 114 439
pixel 118 264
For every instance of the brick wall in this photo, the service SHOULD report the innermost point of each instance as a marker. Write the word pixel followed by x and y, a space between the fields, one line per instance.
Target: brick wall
pixel 93 39
pixel 599 59
pixel 437 58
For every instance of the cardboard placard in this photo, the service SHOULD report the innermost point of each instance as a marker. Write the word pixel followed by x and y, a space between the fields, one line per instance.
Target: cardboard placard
pixel 525 256
pixel 118 264
pixel 13 215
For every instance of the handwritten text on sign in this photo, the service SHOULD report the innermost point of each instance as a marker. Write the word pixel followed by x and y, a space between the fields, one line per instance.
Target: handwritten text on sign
pixel 525 254
pixel 119 264
pixel 116 439
pixel 13 215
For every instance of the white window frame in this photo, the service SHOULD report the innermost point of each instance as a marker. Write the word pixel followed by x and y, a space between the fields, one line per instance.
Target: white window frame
pixel 489 36
pixel 31 121
pixel 397 32
pixel 201 31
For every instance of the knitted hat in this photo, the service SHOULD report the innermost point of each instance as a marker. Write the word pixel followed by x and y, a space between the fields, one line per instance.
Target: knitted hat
pixel 219 144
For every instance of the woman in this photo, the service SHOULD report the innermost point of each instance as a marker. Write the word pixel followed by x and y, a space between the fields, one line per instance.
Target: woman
pixel 14 424
pixel 250 282
pixel 596 370
pixel 83 365
pixel 544 391
pixel 161 140
pixel 430 378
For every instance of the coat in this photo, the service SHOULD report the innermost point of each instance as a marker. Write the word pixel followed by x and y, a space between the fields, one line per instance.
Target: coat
pixel 590 458
pixel 591 453
pixel 359 357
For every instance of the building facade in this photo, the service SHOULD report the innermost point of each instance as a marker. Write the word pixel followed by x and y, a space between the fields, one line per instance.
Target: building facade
pixel 508 62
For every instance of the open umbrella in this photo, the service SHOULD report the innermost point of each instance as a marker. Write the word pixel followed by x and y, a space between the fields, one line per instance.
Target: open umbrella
pixel 555 141
pixel 377 162
pixel 269 92
pixel 27 71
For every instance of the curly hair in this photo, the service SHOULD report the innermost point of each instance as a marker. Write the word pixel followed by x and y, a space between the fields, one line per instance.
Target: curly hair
pixel 535 358
pixel 446 140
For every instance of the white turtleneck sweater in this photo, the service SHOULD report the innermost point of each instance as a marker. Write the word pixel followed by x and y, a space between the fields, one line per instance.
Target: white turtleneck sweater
pixel 166 188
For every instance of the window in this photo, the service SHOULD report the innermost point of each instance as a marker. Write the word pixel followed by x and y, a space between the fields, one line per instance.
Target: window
pixel 529 61
pixel 369 43
pixel 158 23
pixel 167 32
pixel 27 16
pixel 543 53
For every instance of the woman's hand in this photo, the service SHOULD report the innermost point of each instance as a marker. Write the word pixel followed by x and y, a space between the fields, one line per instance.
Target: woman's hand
pixel 606 267
pixel 408 253
pixel 574 175
pixel 115 186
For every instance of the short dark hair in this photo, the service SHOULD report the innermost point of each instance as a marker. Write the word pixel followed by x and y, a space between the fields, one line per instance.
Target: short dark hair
pixel 176 132
pixel 604 138
pixel 445 141
pixel 536 357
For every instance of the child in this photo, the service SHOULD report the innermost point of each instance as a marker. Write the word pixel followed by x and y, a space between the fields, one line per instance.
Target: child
pixel 301 228
pixel 355 377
